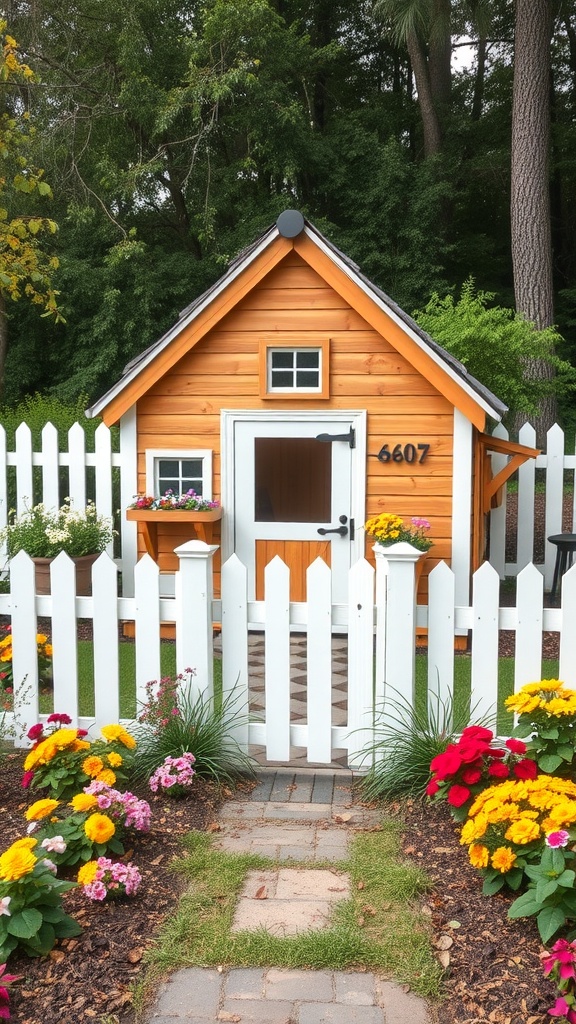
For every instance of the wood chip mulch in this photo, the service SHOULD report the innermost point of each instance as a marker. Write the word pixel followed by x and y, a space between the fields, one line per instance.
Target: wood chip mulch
pixel 91 976
pixel 493 971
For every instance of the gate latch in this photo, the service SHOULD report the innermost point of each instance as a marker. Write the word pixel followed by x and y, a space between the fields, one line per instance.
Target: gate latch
pixel 350 437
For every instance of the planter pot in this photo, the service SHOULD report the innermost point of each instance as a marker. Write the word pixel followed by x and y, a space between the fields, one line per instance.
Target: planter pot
pixel 201 523
pixel 83 574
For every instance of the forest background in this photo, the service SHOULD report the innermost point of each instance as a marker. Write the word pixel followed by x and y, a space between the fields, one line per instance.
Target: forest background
pixel 173 132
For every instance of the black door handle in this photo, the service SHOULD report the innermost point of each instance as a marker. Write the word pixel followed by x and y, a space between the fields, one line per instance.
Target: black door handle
pixel 340 530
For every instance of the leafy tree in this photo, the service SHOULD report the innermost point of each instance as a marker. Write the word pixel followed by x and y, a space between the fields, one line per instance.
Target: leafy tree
pixel 494 344
pixel 26 267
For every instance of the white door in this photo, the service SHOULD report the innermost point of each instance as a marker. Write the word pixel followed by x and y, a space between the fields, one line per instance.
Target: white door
pixel 293 488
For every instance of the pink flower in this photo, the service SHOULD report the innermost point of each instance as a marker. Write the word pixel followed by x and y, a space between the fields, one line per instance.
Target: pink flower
pixel 562 1009
pixel 4 904
pixel 54 844
pixel 27 779
pixel 35 731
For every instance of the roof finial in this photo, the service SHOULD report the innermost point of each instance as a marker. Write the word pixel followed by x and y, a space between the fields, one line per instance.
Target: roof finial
pixel 290 223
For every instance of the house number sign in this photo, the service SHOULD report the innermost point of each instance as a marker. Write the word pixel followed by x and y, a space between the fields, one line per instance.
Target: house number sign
pixel 410 452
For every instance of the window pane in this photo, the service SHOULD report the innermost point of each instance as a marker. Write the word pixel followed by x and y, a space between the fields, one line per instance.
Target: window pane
pixel 307 379
pixel 192 468
pixel 281 360
pixel 305 360
pixel 168 484
pixel 282 379
pixel 293 479
pixel 168 467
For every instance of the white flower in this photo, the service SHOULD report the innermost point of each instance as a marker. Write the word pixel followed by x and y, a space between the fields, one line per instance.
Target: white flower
pixel 4 904
pixel 50 865
pixel 54 844
pixel 32 827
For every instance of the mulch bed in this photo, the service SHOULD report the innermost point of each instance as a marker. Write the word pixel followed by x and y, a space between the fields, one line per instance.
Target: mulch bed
pixel 493 971
pixel 87 977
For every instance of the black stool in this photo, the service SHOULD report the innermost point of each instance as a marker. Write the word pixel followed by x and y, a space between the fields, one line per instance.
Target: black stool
pixel 566 546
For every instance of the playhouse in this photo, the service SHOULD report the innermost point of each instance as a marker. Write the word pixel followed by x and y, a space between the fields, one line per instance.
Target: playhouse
pixel 300 396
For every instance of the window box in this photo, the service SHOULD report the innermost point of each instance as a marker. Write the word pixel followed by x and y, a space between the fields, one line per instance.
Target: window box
pixel 149 519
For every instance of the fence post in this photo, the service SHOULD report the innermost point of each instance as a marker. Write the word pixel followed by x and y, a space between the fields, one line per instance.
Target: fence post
pixel 194 634
pixel 398 563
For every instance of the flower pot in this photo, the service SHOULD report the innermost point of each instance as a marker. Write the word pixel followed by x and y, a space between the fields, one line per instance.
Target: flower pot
pixel 83 565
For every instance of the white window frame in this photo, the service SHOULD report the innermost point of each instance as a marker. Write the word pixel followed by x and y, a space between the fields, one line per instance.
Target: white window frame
pixel 294 350
pixel 153 455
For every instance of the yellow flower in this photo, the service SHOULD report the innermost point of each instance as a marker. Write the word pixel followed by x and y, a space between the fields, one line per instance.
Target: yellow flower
pixel 503 859
pixel 64 737
pixel 107 776
pixel 114 759
pixel 522 831
pixel 83 802
pixel 28 843
pixel 473 829
pixel 87 872
pixel 478 855
pixel 16 862
pixel 79 745
pixel 99 828
pixel 41 809
pixel 41 754
pixel 118 732
pixel 92 765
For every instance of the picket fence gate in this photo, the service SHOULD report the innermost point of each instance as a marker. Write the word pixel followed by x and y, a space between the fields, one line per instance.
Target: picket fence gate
pixel 380 620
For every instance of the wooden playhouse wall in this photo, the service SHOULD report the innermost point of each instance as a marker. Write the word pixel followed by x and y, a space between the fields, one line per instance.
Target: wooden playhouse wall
pixel 182 409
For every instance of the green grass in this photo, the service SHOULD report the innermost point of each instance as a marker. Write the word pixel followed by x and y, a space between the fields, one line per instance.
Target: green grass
pixel 379 927
pixel 127 668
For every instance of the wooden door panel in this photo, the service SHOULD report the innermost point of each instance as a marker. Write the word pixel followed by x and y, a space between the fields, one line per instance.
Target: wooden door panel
pixel 297 555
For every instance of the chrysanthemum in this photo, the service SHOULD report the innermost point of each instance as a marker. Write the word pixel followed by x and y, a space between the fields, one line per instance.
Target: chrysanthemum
pixel 16 862
pixel 503 859
pixel 92 765
pixel 99 828
pixel 87 872
pixel 107 776
pixel 478 855
pixel 41 809
pixel 83 802
pixel 114 759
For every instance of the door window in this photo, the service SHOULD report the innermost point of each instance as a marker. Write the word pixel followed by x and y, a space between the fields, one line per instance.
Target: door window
pixel 292 480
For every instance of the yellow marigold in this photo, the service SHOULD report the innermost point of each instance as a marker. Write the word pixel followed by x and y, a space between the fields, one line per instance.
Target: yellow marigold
pixel 503 859
pixel 27 843
pixel 41 638
pixel 87 872
pixel 99 828
pixel 79 745
pixel 16 862
pixel 114 759
pixel 523 704
pixel 478 855
pixel 561 706
pixel 473 829
pixel 41 754
pixel 64 737
pixel 522 831
pixel 41 809
pixel 83 802
pixel 48 650
pixel 107 776
pixel 542 686
pixel 118 732
pixel 92 765
pixel 504 812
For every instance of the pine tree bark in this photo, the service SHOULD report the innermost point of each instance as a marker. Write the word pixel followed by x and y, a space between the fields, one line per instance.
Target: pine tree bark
pixel 428 112
pixel 530 199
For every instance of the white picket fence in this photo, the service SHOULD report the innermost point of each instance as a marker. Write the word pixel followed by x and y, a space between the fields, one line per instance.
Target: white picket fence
pixel 79 464
pixel 380 619
pixel 560 469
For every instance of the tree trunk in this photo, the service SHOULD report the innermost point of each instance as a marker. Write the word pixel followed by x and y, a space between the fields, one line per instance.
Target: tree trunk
pixel 440 54
pixel 428 113
pixel 530 200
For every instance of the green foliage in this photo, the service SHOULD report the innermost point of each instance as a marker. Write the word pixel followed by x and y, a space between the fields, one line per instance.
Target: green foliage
pixel 174 722
pixel 550 896
pixel 495 345
pixel 547 722
pixel 37 410
pixel 33 897
pixel 406 740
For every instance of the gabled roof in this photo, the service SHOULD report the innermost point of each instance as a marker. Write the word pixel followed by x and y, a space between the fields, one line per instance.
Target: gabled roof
pixel 250 266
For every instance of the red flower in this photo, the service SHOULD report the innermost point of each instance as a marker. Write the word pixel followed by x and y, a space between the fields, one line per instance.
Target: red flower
pixel 525 769
pixel 81 733
pixel 432 787
pixel 516 746
pixel 62 719
pixel 458 795
pixel 35 731
pixel 27 779
pixel 497 752
pixel 471 750
pixel 478 732
pixel 499 770
pixel 446 764
pixel 471 775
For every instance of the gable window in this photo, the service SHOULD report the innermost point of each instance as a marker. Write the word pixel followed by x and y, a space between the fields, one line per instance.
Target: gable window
pixel 294 369
pixel 179 471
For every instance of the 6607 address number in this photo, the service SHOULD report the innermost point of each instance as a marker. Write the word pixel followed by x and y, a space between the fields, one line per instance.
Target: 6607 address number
pixel 410 452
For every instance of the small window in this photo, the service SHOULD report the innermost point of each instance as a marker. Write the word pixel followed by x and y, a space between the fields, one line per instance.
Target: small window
pixel 286 368
pixel 179 471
